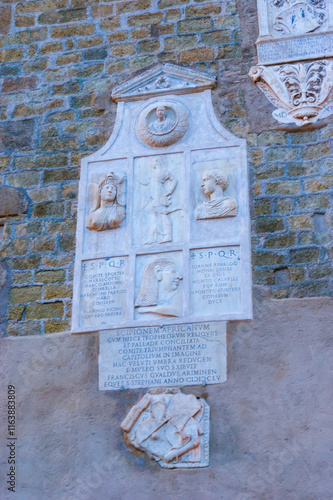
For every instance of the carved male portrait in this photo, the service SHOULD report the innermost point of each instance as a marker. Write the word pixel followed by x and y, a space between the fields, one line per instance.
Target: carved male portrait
pixel 214 183
pixel 159 292
pixel 162 124
pixel 108 210
pixel 168 425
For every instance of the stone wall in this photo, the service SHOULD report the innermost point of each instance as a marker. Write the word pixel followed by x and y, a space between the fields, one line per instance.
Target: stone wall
pixel 60 60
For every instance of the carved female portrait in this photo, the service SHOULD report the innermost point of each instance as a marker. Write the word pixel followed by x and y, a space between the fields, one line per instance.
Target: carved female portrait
pixel 108 210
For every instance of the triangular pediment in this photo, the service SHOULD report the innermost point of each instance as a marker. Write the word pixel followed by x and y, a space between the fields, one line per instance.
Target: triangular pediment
pixel 161 80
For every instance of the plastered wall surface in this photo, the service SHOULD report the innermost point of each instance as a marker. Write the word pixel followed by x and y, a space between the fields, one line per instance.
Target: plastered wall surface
pixel 269 421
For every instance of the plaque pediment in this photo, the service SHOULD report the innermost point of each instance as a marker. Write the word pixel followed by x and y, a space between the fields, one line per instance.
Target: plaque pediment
pixel 162 80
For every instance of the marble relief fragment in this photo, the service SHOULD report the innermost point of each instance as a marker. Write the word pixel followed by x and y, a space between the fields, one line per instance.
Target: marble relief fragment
pixel 214 183
pixel 108 209
pixel 162 124
pixel 157 202
pixel 160 289
pixel 295 17
pixel 171 427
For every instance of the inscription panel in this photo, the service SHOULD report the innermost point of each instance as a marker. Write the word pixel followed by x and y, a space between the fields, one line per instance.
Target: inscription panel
pixel 103 297
pixel 173 355
pixel 215 280
pixel 295 49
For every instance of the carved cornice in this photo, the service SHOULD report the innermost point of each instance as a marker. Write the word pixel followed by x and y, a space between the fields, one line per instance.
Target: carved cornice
pixel 302 92
pixel 162 80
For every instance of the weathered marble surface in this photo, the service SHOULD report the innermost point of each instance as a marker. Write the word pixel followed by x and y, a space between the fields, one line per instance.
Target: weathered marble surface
pixel 170 427
pixel 269 429
pixel 177 355
pixel 151 199
pixel 302 92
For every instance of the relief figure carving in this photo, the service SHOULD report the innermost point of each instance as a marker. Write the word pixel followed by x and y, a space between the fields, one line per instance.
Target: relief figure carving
pixel 162 183
pixel 159 292
pixel 169 426
pixel 214 182
pixel 163 124
pixel 108 210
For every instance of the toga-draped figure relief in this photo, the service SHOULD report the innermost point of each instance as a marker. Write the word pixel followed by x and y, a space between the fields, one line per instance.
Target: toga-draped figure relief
pixel 214 182
pixel 171 427
pixel 159 292
pixel 108 210
pixel 158 205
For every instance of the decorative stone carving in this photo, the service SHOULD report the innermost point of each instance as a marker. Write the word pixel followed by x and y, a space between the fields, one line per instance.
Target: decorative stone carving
pixel 294 30
pixel 162 124
pixel 171 427
pixel 162 183
pixel 129 266
pixel 301 92
pixel 159 290
pixel 108 210
pixel 161 80
pixel 295 17
pixel 214 182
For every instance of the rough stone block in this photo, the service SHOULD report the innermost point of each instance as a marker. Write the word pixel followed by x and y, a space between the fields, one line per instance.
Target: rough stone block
pixel 17 134
pixel 45 310
pixel 269 224
pixel 63 16
pixel 12 201
pixel 25 294
pixel 57 276
pixel 194 25
pixel 304 255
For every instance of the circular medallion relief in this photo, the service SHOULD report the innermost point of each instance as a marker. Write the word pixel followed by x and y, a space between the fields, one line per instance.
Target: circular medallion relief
pixel 162 124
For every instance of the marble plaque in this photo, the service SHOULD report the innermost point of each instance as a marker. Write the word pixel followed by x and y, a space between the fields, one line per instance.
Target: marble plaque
pixel 295 49
pixel 173 355
pixel 170 182
pixel 170 427
pixel 104 285
pixel 215 280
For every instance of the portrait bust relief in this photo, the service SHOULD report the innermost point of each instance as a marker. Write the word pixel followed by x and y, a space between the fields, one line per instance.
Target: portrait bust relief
pixel 214 183
pixel 162 124
pixel 108 209
pixel 159 290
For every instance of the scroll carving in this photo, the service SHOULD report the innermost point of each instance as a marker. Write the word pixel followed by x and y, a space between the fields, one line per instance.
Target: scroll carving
pixel 301 92
pixel 159 292
pixel 171 427
pixel 108 209
pixel 214 182
pixel 163 124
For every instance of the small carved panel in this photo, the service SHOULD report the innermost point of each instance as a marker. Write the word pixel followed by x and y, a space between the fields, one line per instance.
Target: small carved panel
pixel 297 17
pixel 173 355
pixel 103 297
pixel 159 285
pixel 158 200
pixel 214 183
pixel 109 197
pixel 215 280
pixel 162 124
pixel 301 92
pixel 170 427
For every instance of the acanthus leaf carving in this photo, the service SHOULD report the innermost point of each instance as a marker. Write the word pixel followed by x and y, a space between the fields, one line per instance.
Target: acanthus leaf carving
pixel 302 92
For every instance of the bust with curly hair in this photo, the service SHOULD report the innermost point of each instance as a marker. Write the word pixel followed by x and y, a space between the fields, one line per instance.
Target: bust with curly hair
pixel 214 182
